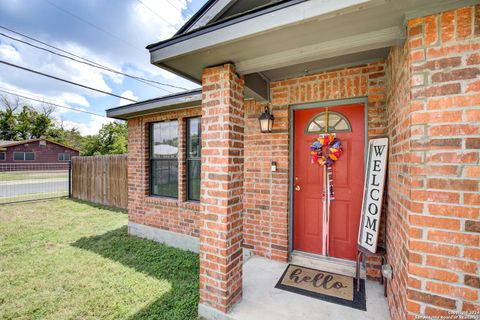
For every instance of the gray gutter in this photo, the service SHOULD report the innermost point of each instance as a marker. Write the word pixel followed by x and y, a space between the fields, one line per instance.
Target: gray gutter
pixel 182 100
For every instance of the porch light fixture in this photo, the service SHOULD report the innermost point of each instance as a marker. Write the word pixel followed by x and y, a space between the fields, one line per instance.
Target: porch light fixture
pixel 266 121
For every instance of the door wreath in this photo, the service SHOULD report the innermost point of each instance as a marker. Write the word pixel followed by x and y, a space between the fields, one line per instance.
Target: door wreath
pixel 325 150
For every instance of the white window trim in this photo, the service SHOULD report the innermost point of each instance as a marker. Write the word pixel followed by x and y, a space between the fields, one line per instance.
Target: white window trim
pixel 4 156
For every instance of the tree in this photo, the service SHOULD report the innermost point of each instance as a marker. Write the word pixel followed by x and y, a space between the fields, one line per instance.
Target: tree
pixel 70 137
pixel 8 120
pixel 40 125
pixel 24 123
pixel 90 146
pixel 28 122
pixel 8 123
pixel 112 139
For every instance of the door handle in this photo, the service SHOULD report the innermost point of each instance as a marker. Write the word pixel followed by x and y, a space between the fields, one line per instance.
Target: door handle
pixel 297 188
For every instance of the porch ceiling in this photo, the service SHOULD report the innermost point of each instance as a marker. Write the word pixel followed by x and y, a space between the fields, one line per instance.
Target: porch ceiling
pixel 316 66
pixel 294 37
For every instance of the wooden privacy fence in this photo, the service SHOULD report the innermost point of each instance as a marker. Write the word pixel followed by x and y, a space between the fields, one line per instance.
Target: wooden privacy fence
pixel 101 179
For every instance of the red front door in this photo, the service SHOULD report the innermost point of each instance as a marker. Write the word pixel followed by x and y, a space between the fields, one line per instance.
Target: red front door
pixel 348 174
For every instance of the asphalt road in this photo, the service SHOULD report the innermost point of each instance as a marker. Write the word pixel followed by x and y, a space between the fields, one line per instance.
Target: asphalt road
pixel 19 188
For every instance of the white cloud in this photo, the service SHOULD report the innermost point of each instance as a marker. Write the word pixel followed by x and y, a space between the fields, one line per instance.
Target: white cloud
pixel 130 21
pixel 94 57
pixel 71 98
pixel 152 28
pixel 9 53
pixel 53 65
pixel 129 95
pixel 91 127
pixel 67 99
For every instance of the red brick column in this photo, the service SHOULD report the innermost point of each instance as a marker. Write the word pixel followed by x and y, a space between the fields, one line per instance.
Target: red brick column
pixel 433 231
pixel 221 189
pixel 444 224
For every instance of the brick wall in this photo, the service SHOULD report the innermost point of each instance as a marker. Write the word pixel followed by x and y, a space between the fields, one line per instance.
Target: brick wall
pixel 398 205
pixel 433 98
pixel 47 153
pixel 221 188
pixel 176 215
pixel 265 219
pixel 443 184
pixel 266 193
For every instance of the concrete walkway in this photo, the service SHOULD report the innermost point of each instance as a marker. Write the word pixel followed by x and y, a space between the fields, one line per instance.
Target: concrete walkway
pixel 262 301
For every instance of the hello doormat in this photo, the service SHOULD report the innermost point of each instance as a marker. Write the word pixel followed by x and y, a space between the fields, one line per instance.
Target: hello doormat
pixel 327 286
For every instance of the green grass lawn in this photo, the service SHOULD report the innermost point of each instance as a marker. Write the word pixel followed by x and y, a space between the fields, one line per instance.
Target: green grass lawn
pixel 62 259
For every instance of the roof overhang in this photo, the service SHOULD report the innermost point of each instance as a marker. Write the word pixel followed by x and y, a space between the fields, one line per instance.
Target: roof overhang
pixel 207 13
pixel 300 33
pixel 175 101
pixel 5 146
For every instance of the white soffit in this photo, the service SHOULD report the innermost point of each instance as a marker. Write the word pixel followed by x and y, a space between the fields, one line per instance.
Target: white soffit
pixel 347 45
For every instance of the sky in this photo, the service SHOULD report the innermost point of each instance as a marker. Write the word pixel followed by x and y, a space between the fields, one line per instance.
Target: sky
pixel 113 33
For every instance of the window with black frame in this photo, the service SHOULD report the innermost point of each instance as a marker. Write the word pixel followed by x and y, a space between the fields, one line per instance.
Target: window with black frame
pixel 164 159
pixel 194 148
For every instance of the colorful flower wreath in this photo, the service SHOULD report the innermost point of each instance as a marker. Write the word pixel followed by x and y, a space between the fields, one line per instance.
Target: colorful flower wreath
pixel 325 150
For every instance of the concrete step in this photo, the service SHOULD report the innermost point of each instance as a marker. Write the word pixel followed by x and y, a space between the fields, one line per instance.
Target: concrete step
pixel 329 264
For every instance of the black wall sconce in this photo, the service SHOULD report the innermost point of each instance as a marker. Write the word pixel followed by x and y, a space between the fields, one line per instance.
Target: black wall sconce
pixel 266 121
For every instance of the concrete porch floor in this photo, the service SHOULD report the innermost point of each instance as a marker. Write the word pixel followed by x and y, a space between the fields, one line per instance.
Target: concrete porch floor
pixel 262 301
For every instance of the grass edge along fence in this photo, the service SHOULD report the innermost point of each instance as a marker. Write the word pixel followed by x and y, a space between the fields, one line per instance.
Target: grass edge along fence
pixel 101 180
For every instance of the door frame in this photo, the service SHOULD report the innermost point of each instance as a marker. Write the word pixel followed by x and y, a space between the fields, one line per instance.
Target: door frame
pixel 291 138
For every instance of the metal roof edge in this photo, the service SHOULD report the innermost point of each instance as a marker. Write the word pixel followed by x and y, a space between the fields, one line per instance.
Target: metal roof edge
pixel 160 104
pixel 223 23
pixel 195 17
pixel 16 143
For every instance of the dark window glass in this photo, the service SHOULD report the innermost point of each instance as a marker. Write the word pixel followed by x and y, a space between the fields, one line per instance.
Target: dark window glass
pixel 29 156
pixel 164 159
pixel 2 156
pixel 336 123
pixel 19 156
pixel 194 148
pixel 63 157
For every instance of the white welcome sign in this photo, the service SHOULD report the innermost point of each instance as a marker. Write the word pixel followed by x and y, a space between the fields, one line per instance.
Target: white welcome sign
pixel 373 194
